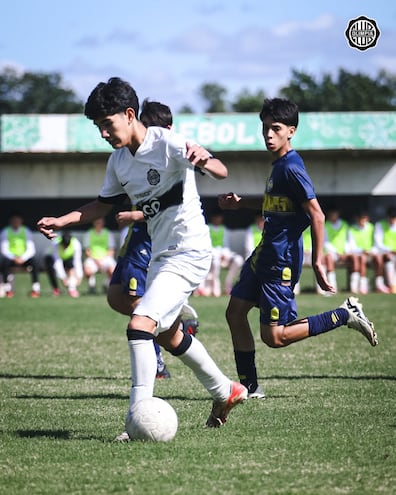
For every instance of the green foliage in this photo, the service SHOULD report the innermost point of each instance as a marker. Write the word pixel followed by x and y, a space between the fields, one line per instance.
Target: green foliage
pixel 347 92
pixel 247 101
pixel 326 427
pixel 35 92
pixel 214 95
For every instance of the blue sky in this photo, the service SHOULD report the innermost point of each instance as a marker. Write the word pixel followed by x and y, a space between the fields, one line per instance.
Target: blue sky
pixel 168 49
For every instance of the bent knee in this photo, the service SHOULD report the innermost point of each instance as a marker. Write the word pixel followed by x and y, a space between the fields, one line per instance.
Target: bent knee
pixel 273 337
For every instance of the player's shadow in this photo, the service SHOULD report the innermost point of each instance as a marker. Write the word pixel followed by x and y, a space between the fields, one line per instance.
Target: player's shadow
pixel 13 376
pixel 328 377
pixel 58 435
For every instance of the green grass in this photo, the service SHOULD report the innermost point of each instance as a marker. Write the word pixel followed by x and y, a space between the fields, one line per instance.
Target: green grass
pixel 326 427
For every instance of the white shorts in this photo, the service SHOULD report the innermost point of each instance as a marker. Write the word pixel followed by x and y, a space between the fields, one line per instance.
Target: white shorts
pixel 107 263
pixel 170 282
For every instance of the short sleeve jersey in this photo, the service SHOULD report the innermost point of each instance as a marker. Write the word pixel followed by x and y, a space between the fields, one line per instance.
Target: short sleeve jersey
pixel 160 181
pixel 279 255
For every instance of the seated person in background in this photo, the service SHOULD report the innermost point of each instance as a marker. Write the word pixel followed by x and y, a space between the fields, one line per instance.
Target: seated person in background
pixel 255 232
pixel 222 257
pixel 385 242
pixel 65 263
pixel 99 248
pixel 362 253
pixel 335 244
pixel 18 250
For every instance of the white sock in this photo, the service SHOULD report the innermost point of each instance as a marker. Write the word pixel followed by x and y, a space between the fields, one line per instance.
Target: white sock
pixel 206 370
pixel 143 369
pixel 379 282
pixel 389 269
pixel 92 281
pixel 354 282
pixel 332 279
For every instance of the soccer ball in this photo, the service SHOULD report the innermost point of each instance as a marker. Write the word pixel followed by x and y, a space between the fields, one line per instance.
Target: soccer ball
pixel 152 419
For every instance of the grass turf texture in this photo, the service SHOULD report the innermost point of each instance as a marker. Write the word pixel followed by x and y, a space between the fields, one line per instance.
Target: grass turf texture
pixel 326 427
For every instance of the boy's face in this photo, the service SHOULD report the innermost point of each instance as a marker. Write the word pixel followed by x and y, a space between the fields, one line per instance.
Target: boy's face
pixel 277 136
pixel 117 129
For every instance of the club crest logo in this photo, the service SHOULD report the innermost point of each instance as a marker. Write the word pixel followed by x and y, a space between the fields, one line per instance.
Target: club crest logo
pixel 362 33
pixel 153 177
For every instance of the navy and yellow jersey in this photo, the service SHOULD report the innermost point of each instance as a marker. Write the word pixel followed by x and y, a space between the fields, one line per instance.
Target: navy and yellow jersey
pixel 279 255
pixel 137 245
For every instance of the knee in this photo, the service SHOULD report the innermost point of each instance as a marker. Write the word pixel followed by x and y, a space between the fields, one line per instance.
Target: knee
pixel 273 338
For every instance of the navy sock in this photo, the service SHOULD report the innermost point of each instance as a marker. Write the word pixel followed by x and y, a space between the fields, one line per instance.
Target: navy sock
pixel 246 368
pixel 327 321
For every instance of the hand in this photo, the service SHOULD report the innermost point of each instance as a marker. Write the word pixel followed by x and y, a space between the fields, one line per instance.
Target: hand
pixel 321 278
pixel 124 218
pixel 229 201
pixel 197 155
pixel 47 226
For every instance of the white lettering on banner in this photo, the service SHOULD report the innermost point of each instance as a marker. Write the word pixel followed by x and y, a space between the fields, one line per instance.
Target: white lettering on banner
pixel 242 138
pixel 188 129
pixel 225 133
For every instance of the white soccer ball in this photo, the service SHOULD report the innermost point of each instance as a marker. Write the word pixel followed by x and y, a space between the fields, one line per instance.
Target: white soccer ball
pixel 152 419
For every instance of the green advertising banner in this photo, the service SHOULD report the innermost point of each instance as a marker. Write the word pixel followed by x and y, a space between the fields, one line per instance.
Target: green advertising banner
pixel 219 132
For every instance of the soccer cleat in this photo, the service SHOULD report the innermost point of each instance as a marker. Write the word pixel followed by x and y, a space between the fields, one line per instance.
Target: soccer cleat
pixel 35 294
pixel 221 408
pixel 122 437
pixel 56 292
pixel 358 320
pixel 188 312
pixel 257 394
pixel 190 326
pixel 9 294
pixel 162 374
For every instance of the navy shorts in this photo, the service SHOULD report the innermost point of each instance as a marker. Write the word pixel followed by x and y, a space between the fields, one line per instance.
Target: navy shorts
pixel 276 300
pixel 131 277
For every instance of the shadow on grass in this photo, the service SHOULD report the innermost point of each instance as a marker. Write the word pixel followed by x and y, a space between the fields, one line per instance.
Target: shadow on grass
pixel 60 434
pixel 329 377
pixel 103 396
pixel 11 376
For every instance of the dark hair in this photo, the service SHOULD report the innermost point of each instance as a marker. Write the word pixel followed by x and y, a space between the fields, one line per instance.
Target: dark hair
pixel 280 110
pixel 155 113
pixel 391 212
pixel 110 98
pixel 66 238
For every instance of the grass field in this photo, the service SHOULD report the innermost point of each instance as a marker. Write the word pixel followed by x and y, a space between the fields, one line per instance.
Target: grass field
pixel 326 427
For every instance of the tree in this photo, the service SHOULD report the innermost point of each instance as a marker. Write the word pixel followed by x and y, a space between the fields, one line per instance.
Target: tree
pixel 39 92
pixel 213 94
pixel 248 102
pixel 347 92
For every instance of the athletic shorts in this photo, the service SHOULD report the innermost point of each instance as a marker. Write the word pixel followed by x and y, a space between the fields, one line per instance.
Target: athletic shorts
pixel 170 281
pixel 131 277
pixel 276 301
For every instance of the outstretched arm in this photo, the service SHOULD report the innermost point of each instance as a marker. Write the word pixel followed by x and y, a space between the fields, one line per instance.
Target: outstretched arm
pixel 85 214
pixel 313 209
pixel 201 158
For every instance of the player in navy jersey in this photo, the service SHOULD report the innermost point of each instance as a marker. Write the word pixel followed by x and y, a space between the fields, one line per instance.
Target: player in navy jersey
pixel 269 275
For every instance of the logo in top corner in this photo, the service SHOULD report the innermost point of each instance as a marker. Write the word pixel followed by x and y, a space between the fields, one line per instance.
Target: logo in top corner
pixel 153 177
pixel 362 33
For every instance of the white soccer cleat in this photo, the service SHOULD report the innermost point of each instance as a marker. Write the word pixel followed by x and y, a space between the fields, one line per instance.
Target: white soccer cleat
pixel 257 394
pixel 358 320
